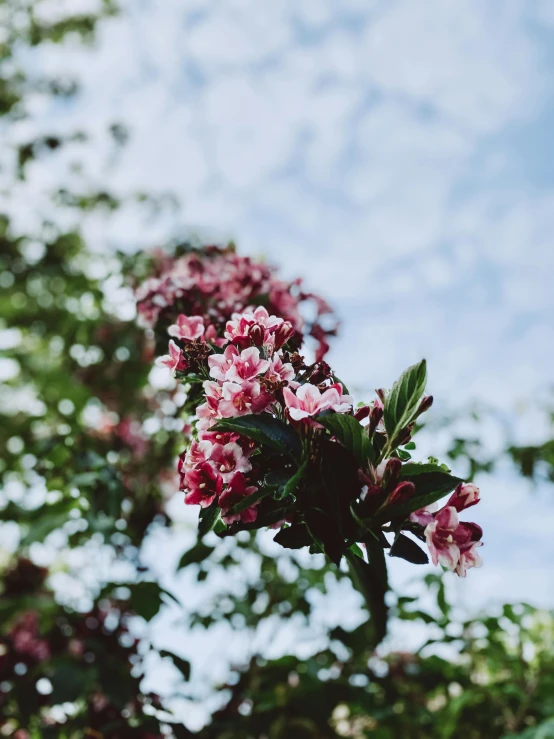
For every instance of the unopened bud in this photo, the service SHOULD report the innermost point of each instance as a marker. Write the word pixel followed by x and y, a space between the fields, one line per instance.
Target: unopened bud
pixel 362 413
pixel 256 334
pixel 391 473
pixel 402 492
pixel 374 417
pixel 283 334
pixel 425 404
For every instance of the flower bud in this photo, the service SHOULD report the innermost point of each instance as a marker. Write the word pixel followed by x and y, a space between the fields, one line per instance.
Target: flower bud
pixel 256 334
pixel 426 403
pixel 374 417
pixel 362 413
pixel 283 334
pixel 465 495
pixel 402 492
pixel 391 474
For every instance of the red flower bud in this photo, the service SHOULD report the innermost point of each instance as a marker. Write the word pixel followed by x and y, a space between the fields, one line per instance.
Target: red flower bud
pixel 402 492
pixel 362 413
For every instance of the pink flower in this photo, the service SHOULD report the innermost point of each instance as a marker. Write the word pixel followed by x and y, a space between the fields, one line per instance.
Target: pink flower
pixel 209 411
pixel 241 399
pixel 309 401
pixel 199 451
pixel 247 366
pixel 425 516
pixel 452 543
pixel 465 495
pixel 220 364
pixel 188 328
pixel 202 485
pixel 279 372
pixel 229 459
pixel 235 492
pixel 174 360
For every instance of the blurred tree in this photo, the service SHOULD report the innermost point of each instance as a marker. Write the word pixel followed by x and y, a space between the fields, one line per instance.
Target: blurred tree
pixel 88 465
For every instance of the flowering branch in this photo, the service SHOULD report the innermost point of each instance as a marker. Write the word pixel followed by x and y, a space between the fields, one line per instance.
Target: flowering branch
pixel 277 444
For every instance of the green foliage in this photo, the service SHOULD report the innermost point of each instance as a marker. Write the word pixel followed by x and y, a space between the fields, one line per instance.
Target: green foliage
pixel 402 403
pixel 267 431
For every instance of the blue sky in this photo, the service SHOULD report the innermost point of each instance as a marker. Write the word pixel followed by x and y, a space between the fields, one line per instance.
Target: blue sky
pixel 398 155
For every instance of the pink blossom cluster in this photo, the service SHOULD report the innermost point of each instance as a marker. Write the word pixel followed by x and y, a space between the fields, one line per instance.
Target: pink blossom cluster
pixel 452 543
pixel 249 375
pixel 26 641
pixel 213 284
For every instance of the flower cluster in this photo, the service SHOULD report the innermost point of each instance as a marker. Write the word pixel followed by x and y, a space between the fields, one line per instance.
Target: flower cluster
pixel 277 443
pixel 452 543
pixel 206 287
pixel 249 373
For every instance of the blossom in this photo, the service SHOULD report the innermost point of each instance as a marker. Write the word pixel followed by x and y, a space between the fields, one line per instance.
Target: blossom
pixel 310 400
pixel 453 543
pixel 279 371
pixel 188 328
pixel 257 325
pixel 202 485
pixel 220 364
pixel 465 496
pixel 174 360
pixel 241 399
pixel 237 490
pixel 209 411
pixel 229 459
pixel 246 366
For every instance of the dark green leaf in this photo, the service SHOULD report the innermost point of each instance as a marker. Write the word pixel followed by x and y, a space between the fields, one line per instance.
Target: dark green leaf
pixel 371 580
pixel 432 483
pixel 402 402
pixel 198 553
pixel 407 549
pixel 266 430
pixel 208 518
pixel 350 433
pixel 295 536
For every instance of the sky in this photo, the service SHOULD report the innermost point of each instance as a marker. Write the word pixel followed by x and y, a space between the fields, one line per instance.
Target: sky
pixel 397 155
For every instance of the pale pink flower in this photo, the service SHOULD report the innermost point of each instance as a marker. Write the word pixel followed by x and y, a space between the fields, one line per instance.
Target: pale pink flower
pixel 309 401
pixel 188 328
pixel 198 452
pixel 241 399
pixel 229 459
pixel 220 364
pixel 209 411
pixel 279 372
pixel 174 360
pixel 452 543
pixel 247 366
pixel 426 515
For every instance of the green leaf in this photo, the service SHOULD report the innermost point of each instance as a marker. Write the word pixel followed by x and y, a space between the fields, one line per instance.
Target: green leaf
pixel 432 483
pixel 407 549
pixel 266 430
pixel 350 433
pixel 370 578
pixel 198 553
pixel 146 598
pixel 208 518
pixel 183 665
pixel 325 532
pixel 402 402
pixel 295 536
pixel 339 475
